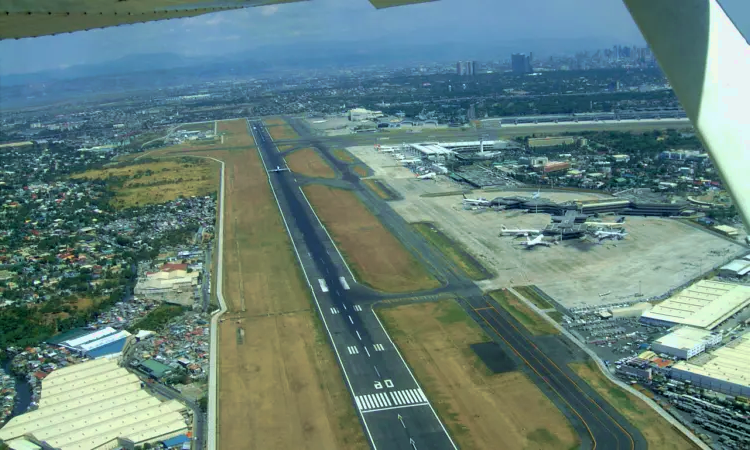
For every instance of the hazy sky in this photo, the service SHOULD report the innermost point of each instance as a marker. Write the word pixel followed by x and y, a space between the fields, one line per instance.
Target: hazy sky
pixel 331 22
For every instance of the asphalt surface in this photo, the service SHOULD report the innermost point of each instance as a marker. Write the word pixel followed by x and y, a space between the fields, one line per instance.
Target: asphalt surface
pixel 596 422
pixel 402 418
pixel 393 409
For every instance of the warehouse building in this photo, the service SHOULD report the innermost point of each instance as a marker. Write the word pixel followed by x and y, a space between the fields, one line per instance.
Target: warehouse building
pixel 735 269
pixel 727 371
pixel 686 342
pixel 705 304
pixel 106 342
pixel 97 405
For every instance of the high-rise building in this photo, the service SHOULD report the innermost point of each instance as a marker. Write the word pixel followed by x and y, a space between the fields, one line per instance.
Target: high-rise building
pixel 520 63
pixel 460 68
pixel 472 68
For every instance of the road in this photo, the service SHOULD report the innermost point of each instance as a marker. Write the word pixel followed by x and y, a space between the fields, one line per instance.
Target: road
pixel 543 359
pixel 382 386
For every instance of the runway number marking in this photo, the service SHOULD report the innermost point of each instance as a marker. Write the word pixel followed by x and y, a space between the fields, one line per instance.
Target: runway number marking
pixel 379 347
pixel 388 384
pixel 323 285
pixel 353 350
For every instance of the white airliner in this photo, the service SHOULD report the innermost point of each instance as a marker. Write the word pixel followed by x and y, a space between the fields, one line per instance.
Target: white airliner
pixel 531 243
pixel 605 224
pixel 517 232
pixel 427 176
pixel 481 201
pixel 280 169
pixel 617 235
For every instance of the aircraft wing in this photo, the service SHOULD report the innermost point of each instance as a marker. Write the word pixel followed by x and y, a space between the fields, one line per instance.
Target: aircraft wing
pixel 32 18
pixel 707 61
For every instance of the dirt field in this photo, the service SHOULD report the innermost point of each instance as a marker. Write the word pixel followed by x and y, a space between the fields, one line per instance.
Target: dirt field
pixel 343 155
pixel 657 431
pixel 660 253
pixel 279 129
pixel 373 253
pixel 205 126
pixel 274 121
pixel 309 163
pixel 360 170
pixel 483 410
pixel 279 385
pixel 376 189
pixel 159 181
pixel 528 318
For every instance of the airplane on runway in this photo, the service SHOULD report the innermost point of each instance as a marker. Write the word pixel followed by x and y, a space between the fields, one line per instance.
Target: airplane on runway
pixel 481 201
pixel 280 169
pixel 427 176
pixel 531 243
pixel 517 232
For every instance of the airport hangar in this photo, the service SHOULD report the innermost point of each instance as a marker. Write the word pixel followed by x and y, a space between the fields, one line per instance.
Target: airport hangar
pixel 96 405
pixel 726 369
pixel 705 304
pixel 699 309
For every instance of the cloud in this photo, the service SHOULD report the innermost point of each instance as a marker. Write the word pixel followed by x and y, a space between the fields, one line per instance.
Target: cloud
pixel 269 10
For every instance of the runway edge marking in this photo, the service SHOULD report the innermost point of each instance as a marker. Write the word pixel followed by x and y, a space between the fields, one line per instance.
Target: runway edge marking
pixel 329 236
pixel 398 352
pixel 315 297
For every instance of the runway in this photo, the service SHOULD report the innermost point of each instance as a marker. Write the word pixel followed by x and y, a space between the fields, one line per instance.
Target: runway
pixel 393 409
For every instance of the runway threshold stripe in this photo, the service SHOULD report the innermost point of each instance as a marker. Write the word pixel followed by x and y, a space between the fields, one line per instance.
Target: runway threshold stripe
pixel 395 407
pixel 359 403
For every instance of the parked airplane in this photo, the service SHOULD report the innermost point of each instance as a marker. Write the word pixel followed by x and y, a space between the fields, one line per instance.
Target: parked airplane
pixel 280 169
pixel 605 224
pixel 610 234
pixel 481 201
pixel 427 176
pixel 508 232
pixel 539 240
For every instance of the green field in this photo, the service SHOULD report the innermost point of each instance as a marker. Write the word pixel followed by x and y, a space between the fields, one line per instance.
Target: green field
pixel 453 251
pixel 531 294
pixel 522 313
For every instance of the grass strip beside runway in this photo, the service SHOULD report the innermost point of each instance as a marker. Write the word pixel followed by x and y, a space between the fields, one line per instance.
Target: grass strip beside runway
pixel 658 432
pixel 482 409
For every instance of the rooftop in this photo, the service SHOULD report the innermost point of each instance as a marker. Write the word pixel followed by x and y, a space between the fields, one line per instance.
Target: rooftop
pixel 683 338
pixel 91 404
pixel 705 304
pixel 730 363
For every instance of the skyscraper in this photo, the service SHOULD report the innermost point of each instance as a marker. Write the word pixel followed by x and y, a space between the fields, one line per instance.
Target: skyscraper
pixel 460 68
pixel 520 63
pixel 472 68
